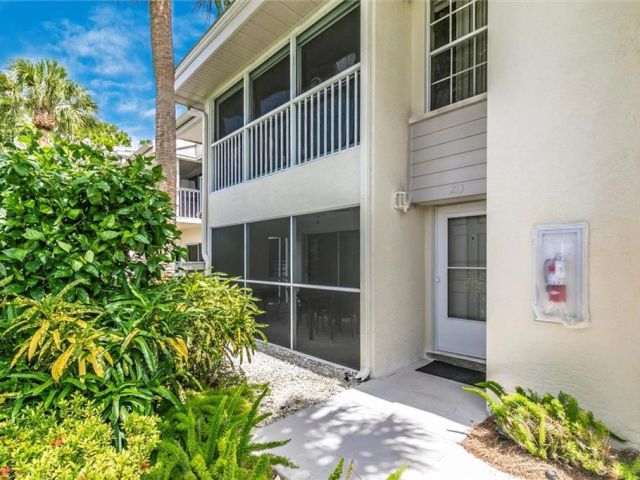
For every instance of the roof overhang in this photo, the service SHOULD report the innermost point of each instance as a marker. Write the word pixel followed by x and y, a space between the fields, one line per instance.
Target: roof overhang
pixel 241 34
pixel 189 127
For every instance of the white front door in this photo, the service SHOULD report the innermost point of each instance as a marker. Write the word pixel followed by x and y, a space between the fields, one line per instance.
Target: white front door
pixel 461 280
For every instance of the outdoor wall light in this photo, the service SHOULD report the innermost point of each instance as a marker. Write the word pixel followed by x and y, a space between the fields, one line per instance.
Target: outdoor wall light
pixel 401 201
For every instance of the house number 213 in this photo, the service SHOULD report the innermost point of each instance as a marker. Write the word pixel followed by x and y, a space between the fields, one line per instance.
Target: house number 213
pixel 456 188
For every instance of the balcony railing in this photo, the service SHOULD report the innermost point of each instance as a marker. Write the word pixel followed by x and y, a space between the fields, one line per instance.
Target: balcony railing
pixel 189 203
pixel 322 121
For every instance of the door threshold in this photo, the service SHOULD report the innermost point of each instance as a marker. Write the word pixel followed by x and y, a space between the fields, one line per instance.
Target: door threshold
pixel 464 361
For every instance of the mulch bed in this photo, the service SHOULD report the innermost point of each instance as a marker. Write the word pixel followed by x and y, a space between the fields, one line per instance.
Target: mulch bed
pixel 485 443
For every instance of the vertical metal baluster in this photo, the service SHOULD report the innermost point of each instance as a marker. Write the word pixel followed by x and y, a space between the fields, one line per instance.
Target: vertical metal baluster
pixel 299 138
pixel 324 98
pixel 333 118
pixel 305 131
pixel 340 115
pixel 347 116
pixel 356 100
pixel 317 95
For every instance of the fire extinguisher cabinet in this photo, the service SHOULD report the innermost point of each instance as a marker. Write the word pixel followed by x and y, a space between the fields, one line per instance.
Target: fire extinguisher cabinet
pixel 560 286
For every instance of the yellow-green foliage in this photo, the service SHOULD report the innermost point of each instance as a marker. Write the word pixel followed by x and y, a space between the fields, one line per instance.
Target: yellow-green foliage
pixel 549 427
pixel 220 319
pixel 75 443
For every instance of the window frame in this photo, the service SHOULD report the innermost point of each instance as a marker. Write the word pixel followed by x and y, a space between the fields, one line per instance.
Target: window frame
pixel 450 46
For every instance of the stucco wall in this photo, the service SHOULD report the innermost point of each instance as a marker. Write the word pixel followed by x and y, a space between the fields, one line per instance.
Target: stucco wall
pixel 190 233
pixel 324 184
pixel 397 240
pixel 564 145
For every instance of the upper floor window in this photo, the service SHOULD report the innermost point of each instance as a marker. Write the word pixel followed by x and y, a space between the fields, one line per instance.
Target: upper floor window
pixel 458 50
pixel 270 84
pixel 330 46
pixel 229 112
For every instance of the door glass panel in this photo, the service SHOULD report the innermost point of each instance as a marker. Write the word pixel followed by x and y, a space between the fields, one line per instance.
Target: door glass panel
pixel 466 272
pixel 467 291
pixel 467 241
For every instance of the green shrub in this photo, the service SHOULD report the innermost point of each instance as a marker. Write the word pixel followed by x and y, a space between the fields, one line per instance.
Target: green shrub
pixel 220 318
pixel 138 353
pixel 72 212
pixel 210 438
pixel 129 356
pixel 74 443
pixel 551 428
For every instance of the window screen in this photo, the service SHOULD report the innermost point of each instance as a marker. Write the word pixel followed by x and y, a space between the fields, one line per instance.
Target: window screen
pixel 333 50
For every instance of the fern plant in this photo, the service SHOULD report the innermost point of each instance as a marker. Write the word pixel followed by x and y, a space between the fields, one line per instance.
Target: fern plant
pixel 549 427
pixel 337 472
pixel 210 438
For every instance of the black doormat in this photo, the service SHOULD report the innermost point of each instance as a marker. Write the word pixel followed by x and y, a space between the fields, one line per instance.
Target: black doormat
pixel 451 372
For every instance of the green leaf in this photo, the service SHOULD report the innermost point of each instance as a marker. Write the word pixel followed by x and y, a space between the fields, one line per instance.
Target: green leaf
pixel 64 246
pixel 46 209
pixel 108 234
pixel 32 234
pixel 16 253
pixel 74 213
pixel 141 237
pixel 76 265
pixel 89 256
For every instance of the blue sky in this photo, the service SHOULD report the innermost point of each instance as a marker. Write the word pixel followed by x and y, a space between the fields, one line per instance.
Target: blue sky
pixel 104 45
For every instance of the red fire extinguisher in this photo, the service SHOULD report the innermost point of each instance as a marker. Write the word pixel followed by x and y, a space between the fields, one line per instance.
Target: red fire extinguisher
pixel 555 279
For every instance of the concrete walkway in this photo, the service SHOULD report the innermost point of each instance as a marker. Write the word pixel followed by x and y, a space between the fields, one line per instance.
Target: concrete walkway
pixel 408 418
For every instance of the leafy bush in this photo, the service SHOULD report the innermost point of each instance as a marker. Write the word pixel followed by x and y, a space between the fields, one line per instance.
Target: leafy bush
pixel 551 428
pixel 74 443
pixel 138 353
pixel 129 356
pixel 220 318
pixel 70 212
pixel 210 438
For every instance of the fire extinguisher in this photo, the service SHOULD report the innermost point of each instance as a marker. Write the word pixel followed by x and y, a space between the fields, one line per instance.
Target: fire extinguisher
pixel 555 279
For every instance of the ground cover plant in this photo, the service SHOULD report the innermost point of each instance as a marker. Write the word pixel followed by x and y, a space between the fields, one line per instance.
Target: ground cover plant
pixel 554 428
pixel 74 443
pixel 210 438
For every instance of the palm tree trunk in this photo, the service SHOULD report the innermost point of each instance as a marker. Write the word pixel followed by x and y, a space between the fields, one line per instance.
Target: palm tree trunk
pixel 163 69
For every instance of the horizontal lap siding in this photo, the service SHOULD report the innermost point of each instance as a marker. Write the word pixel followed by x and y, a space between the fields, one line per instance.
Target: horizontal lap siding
pixel 449 154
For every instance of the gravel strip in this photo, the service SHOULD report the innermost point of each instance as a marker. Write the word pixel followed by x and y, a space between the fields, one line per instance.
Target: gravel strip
pixel 295 382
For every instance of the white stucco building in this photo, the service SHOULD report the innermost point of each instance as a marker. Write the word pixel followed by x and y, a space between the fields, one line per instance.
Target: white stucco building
pixel 374 170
